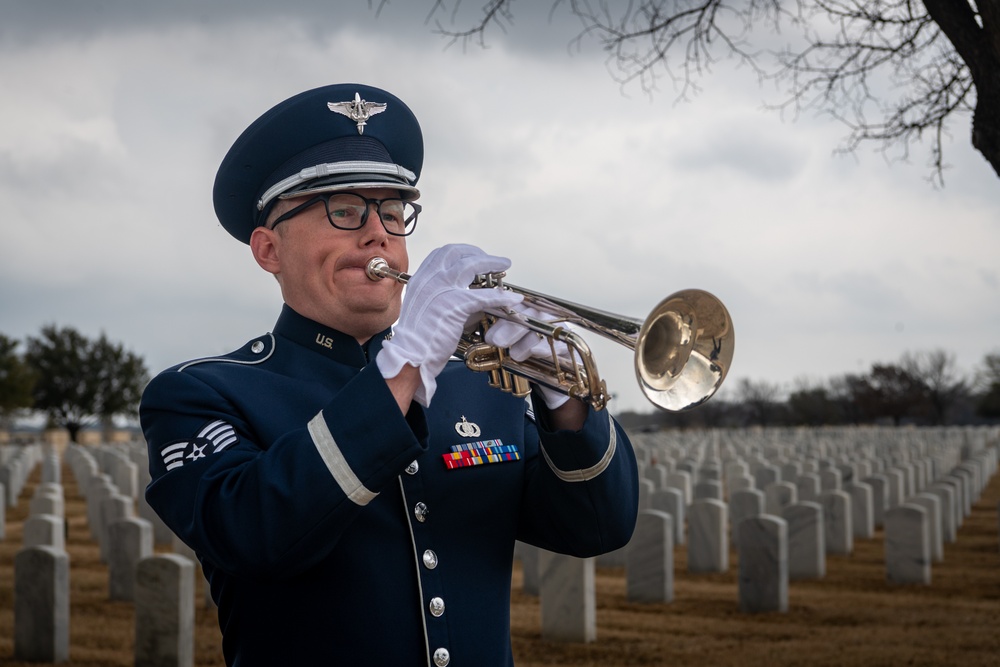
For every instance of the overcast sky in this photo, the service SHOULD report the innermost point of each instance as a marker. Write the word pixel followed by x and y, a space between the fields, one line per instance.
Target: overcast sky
pixel 114 117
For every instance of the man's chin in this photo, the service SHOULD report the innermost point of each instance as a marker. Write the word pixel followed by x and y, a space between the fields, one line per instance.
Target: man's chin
pixel 376 314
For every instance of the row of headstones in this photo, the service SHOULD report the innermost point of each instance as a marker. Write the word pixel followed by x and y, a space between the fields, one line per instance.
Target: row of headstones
pixel 700 468
pixel 758 459
pixel 161 586
pixel 844 443
pixel 16 463
pixel 851 509
pixel 778 537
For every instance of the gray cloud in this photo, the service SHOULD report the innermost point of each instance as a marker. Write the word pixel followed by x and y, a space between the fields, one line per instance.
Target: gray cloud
pixel 539 27
pixel 116 116
pixel 740 147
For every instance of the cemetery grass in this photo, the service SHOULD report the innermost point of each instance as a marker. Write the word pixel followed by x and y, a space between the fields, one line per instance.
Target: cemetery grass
pixel 850 617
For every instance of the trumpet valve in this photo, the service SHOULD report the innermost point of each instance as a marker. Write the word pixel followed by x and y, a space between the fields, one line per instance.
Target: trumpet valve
pixel 489 280
pixel 483 357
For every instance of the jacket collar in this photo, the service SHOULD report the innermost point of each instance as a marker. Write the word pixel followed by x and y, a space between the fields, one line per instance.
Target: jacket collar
pixel 327 341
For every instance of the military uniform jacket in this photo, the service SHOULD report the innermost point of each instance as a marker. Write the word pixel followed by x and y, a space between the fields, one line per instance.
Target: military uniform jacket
pixel 334 530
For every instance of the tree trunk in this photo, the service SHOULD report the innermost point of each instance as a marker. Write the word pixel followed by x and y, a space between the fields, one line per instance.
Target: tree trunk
pixel 986 120
pixel 979 47
pixel 107 429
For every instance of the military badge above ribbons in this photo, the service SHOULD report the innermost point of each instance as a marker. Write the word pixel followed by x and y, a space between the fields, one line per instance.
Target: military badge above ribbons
pixel 480 452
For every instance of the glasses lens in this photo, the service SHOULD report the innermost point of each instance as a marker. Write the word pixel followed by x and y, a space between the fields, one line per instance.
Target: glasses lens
pixel 346 211
pixel 398 217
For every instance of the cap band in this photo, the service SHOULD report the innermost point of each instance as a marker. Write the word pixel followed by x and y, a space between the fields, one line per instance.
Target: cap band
pixel 355 167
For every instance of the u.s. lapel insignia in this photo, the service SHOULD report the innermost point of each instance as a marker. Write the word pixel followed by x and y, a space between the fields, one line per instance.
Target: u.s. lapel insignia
pixel 467 429
pixel 358 110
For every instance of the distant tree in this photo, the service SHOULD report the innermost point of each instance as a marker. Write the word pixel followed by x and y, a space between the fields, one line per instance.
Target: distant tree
pixel 848 392
pixel 988 372
pixel 987 380
pixel 16 381
pixel 60 360
pixel 716 413
pixel 119 377
pixel 81 381
pixel 813 406
pixel 890 391
pixel 943 385
pixel 760 400
pixel 895 72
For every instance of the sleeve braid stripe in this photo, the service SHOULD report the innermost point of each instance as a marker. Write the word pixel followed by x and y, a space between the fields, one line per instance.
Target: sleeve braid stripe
pixel 336 463
pixel 587 473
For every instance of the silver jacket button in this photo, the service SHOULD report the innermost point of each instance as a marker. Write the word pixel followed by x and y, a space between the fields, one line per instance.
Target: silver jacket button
pixel 442 657
pixel 430 559
pixel 420 511
pixel 436 607
pixel 412 468
pixel 257 347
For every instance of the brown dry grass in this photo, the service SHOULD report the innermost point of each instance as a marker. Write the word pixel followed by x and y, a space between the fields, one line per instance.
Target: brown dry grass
pixel 850 617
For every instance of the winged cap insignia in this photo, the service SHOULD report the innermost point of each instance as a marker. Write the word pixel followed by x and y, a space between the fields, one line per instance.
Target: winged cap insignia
pixel 358 110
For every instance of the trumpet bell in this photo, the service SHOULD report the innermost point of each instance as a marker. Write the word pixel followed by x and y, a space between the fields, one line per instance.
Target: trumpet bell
pixel 683 350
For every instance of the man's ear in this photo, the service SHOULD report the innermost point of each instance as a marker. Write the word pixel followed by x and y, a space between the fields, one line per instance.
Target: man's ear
pixel 264 244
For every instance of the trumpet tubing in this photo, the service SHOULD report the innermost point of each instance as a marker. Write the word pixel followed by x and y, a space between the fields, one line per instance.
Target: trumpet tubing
pixel 682 350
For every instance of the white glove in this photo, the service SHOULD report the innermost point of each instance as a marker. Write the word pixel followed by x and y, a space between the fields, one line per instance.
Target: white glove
pixel 437 306
pixel 522 344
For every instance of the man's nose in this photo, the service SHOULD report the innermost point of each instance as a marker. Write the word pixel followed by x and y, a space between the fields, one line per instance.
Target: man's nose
pixel 373 228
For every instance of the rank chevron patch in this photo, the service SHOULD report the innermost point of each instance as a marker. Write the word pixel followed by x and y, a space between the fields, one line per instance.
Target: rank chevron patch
pixel 212 439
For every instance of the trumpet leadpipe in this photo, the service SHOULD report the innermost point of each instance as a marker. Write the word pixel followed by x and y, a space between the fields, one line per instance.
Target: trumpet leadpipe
pixel 575 376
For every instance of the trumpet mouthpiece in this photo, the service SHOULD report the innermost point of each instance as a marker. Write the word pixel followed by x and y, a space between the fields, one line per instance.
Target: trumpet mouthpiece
pixel 375 267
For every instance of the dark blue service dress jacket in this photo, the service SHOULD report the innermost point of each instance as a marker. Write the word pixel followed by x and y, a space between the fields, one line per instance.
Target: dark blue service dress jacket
pixel 334 530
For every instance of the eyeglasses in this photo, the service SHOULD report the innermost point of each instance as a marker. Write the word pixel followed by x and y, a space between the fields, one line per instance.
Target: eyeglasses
pixel 350 211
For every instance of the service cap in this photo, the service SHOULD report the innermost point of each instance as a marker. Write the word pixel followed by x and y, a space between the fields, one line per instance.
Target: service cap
pixel 339 137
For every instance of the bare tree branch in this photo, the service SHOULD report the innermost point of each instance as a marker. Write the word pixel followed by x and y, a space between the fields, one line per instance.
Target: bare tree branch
pixel 495 12
pixel 895 72
pixel 878 48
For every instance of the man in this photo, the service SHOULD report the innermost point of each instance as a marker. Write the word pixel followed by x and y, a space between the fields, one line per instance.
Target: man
pixel 354 497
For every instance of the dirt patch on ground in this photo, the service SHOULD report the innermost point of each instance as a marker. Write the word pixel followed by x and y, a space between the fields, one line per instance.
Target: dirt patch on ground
pixel 850 617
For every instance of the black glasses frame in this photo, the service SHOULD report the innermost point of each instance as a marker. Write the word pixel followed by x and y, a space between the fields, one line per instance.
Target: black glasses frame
pixel 325 198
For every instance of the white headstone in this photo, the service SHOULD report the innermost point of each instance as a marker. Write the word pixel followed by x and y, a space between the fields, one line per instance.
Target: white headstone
pixel 708 537
pixel 45 530
pixel 671 501
pixel 567 598
pixel 778 496
pixel 164 611
pixel 649 568
pixel 837 522
pixel 862 515
pixel 41 605
pixel 806 541
pixel 129 541
pixel 907 545
pixel 763 564
pixel 932 506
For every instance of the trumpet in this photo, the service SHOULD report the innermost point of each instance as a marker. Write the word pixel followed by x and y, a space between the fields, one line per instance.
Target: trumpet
pixel 682 350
